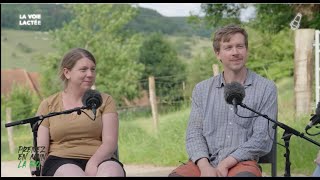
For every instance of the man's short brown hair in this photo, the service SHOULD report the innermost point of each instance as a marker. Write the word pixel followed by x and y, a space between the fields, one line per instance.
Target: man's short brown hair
pixel 224 34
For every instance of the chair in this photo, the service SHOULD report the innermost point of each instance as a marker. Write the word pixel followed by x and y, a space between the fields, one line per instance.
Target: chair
pixel 271 157
pixel 117 153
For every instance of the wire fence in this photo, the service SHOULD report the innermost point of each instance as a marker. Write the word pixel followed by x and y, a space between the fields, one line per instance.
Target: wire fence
pixel 169 92
pixel 177 96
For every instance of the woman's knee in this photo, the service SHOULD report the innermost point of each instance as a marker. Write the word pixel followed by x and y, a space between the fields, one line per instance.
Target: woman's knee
pixel 110 168
pixel 69 170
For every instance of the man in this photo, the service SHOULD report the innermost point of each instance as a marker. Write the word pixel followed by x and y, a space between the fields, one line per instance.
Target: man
pixel 218 142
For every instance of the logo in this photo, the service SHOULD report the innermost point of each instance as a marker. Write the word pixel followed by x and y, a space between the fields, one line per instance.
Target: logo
pixel 30 19
pixel 25 151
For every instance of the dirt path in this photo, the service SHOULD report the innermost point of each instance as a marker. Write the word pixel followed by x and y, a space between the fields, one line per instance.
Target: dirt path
pixel 10 169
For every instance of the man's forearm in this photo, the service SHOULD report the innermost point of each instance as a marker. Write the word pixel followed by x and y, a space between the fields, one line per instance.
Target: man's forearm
pixel 228 162
pixel 203 163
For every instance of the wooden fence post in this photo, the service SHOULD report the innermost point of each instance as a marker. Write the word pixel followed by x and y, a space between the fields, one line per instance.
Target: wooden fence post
pixel 153 102
pixel 215 69
pixel 10 131
pixel 303 70
pixel 184 90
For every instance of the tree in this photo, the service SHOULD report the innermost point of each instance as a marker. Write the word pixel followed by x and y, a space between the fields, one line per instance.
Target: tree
pixel 217 15
pixel 271 55
pixel 22 101
pixel 276 17
pixel 201 68
pixel 268 17
pixel 96 27
pixel 161 60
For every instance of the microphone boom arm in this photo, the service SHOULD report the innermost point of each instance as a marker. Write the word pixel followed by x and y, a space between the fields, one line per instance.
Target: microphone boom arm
pixel 288 131
pixel 283 126
pixel 34 126
pixel 41 117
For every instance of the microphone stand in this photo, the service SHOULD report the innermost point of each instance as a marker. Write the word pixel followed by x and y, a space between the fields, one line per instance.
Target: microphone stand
pixel 288 131
pixel 34 125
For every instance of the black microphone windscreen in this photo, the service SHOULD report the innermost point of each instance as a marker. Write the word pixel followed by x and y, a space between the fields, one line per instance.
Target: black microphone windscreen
pixel 92 97
pixel 234 90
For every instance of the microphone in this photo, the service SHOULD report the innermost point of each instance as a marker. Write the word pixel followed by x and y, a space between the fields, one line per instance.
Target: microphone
pixel 92 100
pixel 234 94
pixel 315 118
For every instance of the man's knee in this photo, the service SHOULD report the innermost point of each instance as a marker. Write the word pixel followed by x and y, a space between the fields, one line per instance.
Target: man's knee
pixel 245 174
pixel 188 169
pixel 245 169
pixel 174 174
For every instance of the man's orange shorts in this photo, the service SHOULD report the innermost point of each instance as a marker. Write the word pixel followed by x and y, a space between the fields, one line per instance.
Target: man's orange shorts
pixel 244 168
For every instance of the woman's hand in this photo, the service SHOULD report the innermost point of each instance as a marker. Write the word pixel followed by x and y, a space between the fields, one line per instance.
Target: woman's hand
pixel 91 169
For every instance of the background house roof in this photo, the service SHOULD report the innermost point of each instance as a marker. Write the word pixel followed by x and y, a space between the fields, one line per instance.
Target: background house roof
pixel 9 77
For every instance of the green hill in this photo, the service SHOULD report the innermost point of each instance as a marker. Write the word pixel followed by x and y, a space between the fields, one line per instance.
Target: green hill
pixel 19 49
pixel 149 20
pixel 54 15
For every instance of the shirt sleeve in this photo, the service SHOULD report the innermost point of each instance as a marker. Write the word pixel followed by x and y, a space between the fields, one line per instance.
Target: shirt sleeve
pixel 260 143
pixel 196 144
pixel 110 105
pixel 43 109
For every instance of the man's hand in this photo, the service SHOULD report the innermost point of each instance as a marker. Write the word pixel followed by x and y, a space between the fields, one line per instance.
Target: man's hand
pixel 222 171
pixel 206 168
pixel 208 171
pixel 224 166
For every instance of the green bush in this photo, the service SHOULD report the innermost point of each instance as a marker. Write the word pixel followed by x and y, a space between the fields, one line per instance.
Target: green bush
pixel 24 48
pixel 23 104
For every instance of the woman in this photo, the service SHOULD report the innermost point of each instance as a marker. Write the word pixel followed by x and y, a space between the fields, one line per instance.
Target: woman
pixel 77 145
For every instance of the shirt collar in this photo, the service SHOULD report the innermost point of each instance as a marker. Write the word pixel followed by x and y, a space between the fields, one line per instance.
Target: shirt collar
pixel 248 82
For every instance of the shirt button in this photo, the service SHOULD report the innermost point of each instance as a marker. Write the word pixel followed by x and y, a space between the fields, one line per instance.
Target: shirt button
pixel 231 108
pixel 228 136
pixel 230 123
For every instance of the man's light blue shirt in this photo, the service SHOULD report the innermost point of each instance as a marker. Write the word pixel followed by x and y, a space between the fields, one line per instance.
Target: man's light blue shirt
pixel 214 131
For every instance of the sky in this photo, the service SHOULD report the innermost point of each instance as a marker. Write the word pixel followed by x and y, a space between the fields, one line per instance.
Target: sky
pixel 173 9
pixel 184 9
